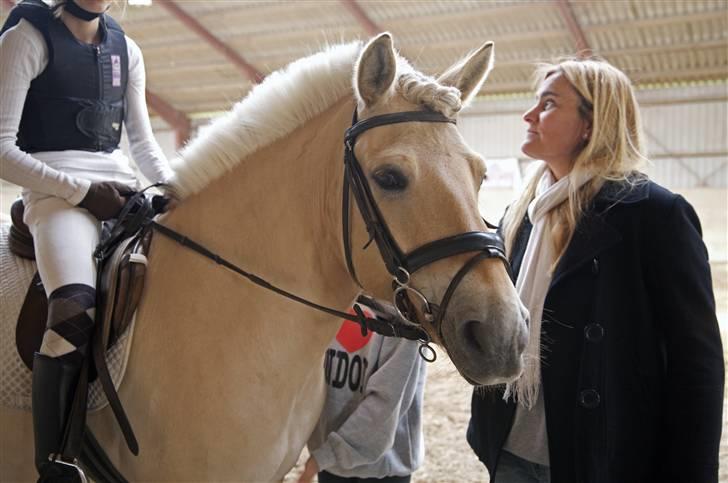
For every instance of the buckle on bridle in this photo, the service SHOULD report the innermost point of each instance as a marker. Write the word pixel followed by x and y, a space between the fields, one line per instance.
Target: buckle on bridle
pixel 401 280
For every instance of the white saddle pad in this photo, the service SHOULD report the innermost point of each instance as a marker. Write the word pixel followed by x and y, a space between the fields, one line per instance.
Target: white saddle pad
pixel 15 377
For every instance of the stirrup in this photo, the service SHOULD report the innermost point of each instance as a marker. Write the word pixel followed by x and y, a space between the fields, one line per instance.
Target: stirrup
pixel 56 459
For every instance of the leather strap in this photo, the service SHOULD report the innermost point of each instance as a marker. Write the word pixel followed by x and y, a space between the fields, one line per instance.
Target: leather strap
pixel 355 180
pixel 455 245
pixel 100 343
pixel 454 284
pixel 97 463
pixel 359 127
pixel 392 328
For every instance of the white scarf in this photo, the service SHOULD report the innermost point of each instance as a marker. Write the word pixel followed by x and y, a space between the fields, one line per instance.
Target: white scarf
pixel 534 278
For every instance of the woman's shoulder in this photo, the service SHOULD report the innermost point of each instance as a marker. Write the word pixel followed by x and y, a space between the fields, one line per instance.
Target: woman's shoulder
pixel 24 39
pixel 636 189
pixel 23 31
pixel 133 50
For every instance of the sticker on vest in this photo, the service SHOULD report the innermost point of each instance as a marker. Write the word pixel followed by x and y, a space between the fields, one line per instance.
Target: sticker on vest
pixel 116 70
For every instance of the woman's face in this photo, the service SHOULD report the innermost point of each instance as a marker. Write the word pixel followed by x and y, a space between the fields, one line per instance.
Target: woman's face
pixel 96 6
pixel 556 130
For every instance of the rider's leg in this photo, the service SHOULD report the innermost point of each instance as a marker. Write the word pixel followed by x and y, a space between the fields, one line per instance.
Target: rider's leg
pixel 64 238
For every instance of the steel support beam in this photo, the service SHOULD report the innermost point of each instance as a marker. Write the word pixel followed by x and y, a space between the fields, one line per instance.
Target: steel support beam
pixel 577 34
pixel 360 15
pixel 179 122
pixel 253 74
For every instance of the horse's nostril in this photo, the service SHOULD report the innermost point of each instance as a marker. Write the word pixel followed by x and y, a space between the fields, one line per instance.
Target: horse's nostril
pixel 470 335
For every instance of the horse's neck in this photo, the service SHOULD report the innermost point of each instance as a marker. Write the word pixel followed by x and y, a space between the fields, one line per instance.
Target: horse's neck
pixel 278 213
pixel 204 331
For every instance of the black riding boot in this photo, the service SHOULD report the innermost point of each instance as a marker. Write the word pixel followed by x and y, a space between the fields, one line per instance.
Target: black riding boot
pixel 54 384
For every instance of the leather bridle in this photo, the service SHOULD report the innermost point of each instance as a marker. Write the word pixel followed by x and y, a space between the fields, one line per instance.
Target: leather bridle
pixel 401 266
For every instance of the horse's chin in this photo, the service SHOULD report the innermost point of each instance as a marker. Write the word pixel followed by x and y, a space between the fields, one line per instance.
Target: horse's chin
pixel 480 380
pixel 484 359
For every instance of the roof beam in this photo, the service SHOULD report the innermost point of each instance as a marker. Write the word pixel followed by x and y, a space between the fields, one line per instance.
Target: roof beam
pixel 236 59
pixel 577 34
pixel 360 15
pixel 179 122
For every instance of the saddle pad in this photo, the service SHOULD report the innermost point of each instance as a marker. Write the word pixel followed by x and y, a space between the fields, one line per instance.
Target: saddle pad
pixel 15 378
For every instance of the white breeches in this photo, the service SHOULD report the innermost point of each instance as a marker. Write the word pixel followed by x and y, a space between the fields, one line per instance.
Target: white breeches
pixel 65 237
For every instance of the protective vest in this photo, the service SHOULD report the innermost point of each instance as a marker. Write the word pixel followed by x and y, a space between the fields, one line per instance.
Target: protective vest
pixel 77 102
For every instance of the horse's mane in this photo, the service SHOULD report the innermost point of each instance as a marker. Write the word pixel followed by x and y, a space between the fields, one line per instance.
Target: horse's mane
pixel 285 100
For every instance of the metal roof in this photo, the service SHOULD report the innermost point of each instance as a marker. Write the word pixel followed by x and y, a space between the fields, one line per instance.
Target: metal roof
pixel 204 56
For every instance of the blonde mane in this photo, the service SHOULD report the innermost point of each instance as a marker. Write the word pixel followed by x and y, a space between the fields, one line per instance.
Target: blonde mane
pixel 285 100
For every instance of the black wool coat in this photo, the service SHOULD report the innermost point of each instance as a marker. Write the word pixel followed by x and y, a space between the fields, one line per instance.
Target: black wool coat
pixel 633 369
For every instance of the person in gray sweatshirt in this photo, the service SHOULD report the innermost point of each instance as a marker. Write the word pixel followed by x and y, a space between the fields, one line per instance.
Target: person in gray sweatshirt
pixel 370 428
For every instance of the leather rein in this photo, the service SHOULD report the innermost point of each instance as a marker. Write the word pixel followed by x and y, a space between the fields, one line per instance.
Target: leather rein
pixel 399 265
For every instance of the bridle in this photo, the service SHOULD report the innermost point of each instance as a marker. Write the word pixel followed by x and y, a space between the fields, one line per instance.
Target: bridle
pixel 401 266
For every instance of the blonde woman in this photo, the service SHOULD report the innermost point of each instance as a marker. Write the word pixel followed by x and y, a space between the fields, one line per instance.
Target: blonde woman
pixel 624 378
pixel 69 80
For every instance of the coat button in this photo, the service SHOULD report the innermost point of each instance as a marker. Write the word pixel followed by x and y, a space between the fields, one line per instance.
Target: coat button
pixel 595 266
pixel 593 332
pixel 589 398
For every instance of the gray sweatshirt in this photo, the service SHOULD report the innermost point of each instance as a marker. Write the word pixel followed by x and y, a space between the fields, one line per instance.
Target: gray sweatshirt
pixel 371 424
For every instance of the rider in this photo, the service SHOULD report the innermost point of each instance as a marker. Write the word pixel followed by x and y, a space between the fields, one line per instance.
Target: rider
pixel 69 80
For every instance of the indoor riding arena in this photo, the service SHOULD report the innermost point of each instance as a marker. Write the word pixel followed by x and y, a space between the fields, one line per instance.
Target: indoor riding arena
pixel 202 57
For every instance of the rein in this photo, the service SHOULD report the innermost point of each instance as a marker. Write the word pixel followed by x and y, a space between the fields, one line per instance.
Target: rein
pixel 139 214
pixel 398 264
pixel 392 328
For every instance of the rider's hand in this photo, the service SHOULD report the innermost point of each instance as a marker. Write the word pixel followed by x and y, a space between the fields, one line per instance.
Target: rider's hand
pixel 105 199
pixel 309 471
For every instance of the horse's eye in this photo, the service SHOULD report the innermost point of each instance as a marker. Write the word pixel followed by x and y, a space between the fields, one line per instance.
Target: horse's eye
pixel 390 179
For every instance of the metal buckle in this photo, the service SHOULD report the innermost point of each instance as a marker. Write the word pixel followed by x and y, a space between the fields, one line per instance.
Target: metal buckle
pixel 403 288
pixel 427 352
pixel 56 459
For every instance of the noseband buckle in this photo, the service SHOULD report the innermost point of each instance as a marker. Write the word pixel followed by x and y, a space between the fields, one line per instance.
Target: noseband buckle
pixel 403 304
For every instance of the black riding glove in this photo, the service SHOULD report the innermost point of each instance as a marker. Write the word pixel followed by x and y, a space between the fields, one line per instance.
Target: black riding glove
pixel 105 200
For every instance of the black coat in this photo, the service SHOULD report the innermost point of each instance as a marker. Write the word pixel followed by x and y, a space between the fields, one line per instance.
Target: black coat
pixel 633 375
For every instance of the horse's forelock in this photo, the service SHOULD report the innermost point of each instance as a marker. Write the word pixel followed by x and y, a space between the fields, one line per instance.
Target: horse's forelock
pixel 420 89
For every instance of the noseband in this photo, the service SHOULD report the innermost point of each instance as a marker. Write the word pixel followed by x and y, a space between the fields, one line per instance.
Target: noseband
pixel 400 265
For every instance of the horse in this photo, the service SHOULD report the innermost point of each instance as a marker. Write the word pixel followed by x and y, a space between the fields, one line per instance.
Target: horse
pixel 225 379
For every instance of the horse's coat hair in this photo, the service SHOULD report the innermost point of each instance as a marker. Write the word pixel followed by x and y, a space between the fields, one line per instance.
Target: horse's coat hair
pixel 225 379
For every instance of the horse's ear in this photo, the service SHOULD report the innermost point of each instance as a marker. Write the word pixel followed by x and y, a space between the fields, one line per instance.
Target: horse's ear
pixel 469 74
pixel 375 69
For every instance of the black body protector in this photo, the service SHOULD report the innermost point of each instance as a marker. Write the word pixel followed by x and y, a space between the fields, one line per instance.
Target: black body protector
pixel 77 102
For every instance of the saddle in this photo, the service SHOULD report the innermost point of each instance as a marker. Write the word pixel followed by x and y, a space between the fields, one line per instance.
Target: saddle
pixel 119 287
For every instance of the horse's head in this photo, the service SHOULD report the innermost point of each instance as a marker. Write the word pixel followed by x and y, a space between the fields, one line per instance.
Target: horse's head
pixel 424 181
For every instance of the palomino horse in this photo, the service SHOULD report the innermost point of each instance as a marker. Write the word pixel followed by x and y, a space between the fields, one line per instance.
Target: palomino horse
pixel 224 380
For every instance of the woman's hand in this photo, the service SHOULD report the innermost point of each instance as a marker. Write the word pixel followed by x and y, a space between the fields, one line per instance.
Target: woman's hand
pixel 309 471
pixel 105 199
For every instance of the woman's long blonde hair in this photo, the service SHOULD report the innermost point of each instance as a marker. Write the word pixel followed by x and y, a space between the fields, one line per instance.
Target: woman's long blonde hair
pixel 614 150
